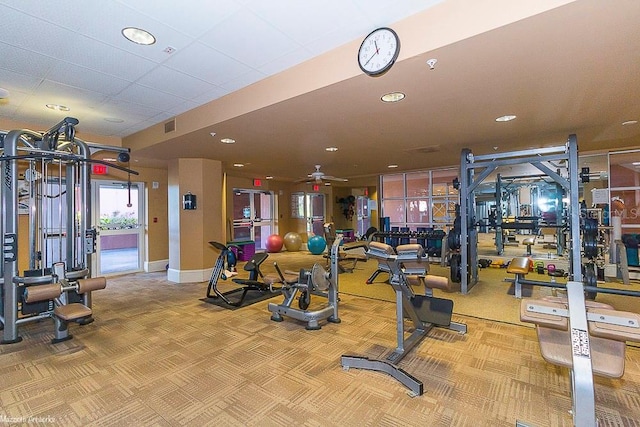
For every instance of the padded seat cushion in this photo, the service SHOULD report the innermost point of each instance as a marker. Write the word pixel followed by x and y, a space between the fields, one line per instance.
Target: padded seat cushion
pixel 529 241
pixel 607 356
pixel 72 311
pixel 519 265
pixel 271 278
pixel 411 249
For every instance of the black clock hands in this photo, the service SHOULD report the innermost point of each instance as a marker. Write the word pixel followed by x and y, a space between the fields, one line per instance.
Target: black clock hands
pixel 374 53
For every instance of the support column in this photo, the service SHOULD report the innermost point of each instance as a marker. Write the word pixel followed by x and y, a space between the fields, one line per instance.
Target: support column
pixel 190 255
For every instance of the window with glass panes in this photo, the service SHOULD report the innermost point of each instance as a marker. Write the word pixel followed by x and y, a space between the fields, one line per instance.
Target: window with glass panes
pixel 423 199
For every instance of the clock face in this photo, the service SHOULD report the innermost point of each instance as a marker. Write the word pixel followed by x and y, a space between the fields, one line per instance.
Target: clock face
pixel 378 51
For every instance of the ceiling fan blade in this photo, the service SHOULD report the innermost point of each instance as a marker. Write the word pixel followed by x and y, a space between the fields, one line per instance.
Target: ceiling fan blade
pixel 333 178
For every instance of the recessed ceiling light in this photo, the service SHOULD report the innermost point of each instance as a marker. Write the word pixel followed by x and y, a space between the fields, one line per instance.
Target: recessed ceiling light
pixel 268 177
pixel 506 118
pixel 57 107
pixel 238 165
pixel 327 184
pixel 331 149
pixel 392 166
pixel 393 97
pixel 212 133
pixel 109 159
pixel 138 36
pixel 113 120
pixel 630 122
pixel 227 141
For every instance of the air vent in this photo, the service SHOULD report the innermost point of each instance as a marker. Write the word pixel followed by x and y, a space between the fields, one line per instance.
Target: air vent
pixel 170 126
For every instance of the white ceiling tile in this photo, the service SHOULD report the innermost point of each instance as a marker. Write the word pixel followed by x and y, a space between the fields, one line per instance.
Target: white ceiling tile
pixel 19 30
pixel 289 60
pixel 51 11
pixel 143 95
pixel 14 81
pixel 81 77
pixel 183 18
pixel 243 80
pixel 163 79
pixel 212 95
pixel 24 61
pixel 107 59
pixel 249 39
pixel 128 111
pixel 55 93
pixel 303 23
pixel 184 107
pixel 206 64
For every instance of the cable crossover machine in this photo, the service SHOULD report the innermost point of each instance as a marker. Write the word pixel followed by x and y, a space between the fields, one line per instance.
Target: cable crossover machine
pixel 47 176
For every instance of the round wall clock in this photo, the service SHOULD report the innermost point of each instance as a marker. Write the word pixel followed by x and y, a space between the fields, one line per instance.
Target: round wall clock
pixel 378 51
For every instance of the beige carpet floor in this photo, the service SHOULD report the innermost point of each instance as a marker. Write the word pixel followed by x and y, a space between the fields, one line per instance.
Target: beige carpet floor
pixel 157 355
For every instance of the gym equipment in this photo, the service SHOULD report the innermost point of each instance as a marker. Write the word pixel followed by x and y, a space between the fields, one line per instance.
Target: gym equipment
pixel 274 243
pixel 316 281
pixel 433 238
pixel 57 297
pixel 316 245
pixel 474 169
pixel 250 284
pixel 55 194
pixel 348 253
pixel 406 267
pixel 584 336
pixel 528 242
pixel 292 241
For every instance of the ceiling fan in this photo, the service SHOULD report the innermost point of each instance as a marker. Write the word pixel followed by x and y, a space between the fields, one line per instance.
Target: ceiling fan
pixel 319 176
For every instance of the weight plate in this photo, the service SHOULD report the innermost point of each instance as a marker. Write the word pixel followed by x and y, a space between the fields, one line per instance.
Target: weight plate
pixel 456 274
pixel 453 239
pixel 319 277
pixel 590 278
pixel 590 245
pixel 590 226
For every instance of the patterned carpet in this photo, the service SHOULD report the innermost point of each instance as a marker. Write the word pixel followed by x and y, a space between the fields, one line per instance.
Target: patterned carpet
pixel 157 355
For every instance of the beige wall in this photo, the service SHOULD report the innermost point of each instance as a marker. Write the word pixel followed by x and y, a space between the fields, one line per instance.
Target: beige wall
pixel 191 230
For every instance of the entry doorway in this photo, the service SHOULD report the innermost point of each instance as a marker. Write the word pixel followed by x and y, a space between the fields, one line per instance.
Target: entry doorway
pixel 315 214
pixel 362 215
pixel 311 208
pixel 118 215
pixel 253 213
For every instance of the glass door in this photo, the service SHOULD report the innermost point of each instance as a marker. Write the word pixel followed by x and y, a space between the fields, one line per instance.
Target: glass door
pixel 253 216
pixel 362 215
pixel 315 214
pixel 118 215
